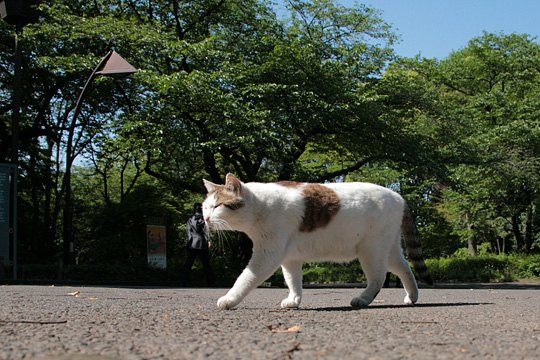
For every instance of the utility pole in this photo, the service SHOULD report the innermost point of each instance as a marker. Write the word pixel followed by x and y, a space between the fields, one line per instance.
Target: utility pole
pixel 18 13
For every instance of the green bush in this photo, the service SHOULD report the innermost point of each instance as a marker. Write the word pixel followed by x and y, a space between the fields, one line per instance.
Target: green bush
pixel 324 273
pixel 526 267
pixel 484 268
pixel 473 269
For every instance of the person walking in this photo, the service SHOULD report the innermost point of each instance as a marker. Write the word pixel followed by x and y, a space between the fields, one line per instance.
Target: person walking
pixel 198 246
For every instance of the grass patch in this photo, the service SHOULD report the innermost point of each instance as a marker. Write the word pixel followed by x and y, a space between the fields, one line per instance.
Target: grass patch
pixel 484 268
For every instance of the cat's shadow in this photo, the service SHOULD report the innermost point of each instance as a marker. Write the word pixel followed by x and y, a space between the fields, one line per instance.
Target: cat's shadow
pixel 385 306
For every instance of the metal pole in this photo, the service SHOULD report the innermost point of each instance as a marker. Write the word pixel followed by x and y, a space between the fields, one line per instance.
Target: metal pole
pixel 69 246
pixel 15 171
pixel 16 116
pixel 16 100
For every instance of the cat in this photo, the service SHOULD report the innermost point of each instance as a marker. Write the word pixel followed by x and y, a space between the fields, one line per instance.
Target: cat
pixel 290 223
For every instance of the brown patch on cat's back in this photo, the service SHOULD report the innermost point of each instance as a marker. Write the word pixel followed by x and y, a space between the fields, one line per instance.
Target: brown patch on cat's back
pixel 321 205
pixel 289 184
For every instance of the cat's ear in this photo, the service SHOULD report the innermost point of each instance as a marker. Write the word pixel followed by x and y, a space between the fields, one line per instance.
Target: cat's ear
pixel 210 186
pixel 233 184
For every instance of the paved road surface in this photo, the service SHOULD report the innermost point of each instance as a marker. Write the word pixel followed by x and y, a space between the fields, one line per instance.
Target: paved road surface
pixel 99 323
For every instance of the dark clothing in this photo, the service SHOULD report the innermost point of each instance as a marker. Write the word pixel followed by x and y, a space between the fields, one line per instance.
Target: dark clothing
pixel 204 256
pixel 387 281
pixel 197 246
pixel 197 233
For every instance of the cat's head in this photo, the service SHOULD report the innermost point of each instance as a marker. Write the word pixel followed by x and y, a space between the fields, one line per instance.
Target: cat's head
pixel 224 207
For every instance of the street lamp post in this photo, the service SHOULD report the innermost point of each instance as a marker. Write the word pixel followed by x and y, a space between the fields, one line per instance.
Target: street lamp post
pixel 18 13
pixel 112 65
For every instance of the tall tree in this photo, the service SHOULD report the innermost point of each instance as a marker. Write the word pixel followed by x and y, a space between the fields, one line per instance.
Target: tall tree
pixel 489 96
pixel 271 93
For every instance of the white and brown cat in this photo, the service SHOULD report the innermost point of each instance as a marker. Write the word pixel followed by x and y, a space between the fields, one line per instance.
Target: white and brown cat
pixel 290 223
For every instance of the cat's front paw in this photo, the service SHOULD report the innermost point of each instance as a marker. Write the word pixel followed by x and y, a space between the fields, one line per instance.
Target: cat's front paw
pixel 359 302
pixel 227 302
pixel 289 303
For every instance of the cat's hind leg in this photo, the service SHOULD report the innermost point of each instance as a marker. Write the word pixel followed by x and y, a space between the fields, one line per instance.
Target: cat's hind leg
pixel 292 272
pixel 399 266
pixel 374 268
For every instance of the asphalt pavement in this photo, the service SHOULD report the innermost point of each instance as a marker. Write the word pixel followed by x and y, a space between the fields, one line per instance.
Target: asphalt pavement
pixel 124 323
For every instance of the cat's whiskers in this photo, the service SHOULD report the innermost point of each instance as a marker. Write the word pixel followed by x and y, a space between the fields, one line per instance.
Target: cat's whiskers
pixel 219 225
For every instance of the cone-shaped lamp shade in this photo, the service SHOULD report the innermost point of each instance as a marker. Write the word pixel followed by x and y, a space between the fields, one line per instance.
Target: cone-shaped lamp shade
pixel 116 66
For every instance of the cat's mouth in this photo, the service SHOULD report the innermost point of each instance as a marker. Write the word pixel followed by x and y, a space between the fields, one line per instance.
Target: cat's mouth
pixel 217 224
pixel 211 224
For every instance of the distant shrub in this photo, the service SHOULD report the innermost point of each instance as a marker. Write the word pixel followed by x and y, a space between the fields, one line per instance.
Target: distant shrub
pixel 526 267
pixel 325 273
pixel 484 268
pixel 472 269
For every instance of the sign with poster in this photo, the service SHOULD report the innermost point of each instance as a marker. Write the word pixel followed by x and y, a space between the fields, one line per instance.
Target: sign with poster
pixel 156 243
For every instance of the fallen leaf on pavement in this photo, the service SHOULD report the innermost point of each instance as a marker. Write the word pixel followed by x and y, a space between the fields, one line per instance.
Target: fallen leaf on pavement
pixel 292 329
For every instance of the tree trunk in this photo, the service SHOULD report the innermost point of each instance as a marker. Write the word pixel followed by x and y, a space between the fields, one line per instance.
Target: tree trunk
pixel 473 248
pixel 471 241
pixel 517 233
pixel 528 229
pixel 68 218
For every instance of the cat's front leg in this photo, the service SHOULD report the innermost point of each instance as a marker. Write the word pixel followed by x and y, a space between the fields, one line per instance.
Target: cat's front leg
pixel 260 267
pixel 292 272
pixel 228 302
pixel 246 282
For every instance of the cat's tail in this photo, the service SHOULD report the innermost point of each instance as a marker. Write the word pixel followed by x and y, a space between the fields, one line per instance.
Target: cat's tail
pixel 413 246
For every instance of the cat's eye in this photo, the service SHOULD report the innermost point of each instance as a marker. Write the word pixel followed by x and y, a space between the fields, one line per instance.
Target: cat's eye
pixel 226 205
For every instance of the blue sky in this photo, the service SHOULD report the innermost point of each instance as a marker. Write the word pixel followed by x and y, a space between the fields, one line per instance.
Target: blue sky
pixel 435 28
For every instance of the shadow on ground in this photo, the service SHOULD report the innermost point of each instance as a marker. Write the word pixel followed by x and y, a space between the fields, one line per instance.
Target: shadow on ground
pixel 375 306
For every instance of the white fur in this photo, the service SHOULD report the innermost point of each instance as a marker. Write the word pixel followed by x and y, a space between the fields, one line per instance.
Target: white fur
pixel 367 227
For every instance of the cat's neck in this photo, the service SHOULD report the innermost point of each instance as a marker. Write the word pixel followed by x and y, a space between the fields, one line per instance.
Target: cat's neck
pixel 268 204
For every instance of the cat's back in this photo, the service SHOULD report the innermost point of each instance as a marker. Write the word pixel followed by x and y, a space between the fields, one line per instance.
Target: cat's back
pixel 346 196
pixel 368 206
pixel 345 192
pixel 314 212
pixel 362 192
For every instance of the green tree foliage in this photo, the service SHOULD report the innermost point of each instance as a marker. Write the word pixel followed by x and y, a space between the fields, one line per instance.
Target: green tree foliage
pixel 487 128
pixel 273 96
